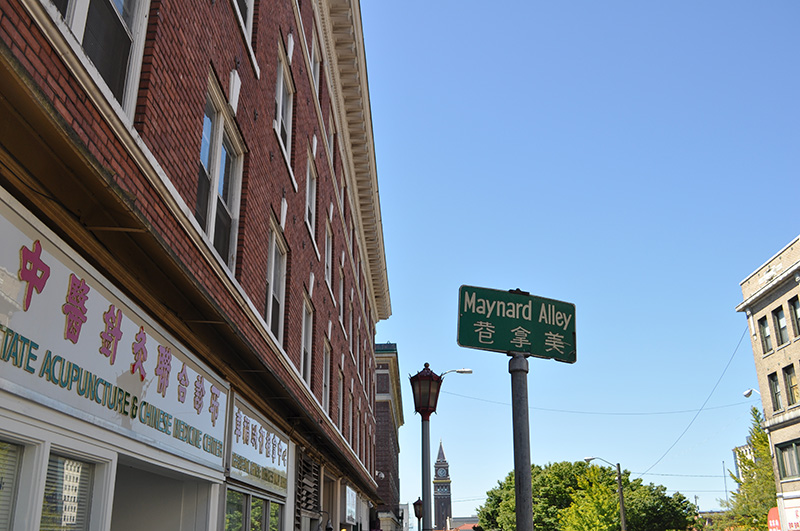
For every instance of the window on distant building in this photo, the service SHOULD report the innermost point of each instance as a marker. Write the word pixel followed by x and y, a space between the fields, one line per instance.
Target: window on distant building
pixel 284 94
pixel 766 340
pixel 329 256
pixel 340 397
pixel 775 392
pixel 112 35
pixel 311 197
pixel 276 280
pixel 788 462
pixel 68 485
pixel 781 332
pixel 219 176
pixel 794 310
pixel 790 380
pixel 316 61
pixel 326 378
pixel 308 329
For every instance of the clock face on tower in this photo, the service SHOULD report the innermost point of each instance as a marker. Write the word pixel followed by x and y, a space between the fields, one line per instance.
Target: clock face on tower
pixel 441 472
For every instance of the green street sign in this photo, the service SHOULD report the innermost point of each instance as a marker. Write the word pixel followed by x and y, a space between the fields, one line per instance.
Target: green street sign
pixel 514 321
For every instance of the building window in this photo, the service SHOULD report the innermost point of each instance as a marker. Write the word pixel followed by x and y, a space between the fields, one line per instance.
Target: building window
pixel 219 176
pixel 766 339
pixel 329 256
pixel 311 197
pixel 775 392
pixel 794 309
pixel 245 11
pixel 68 493
pixel 341 296
pixel 112 35
pixel 340 396
pixel 788 463
pixel 276 280
pixel 782 333
pixel 790 380
pixel 10 458
pixel 308 328
pixel 284 94
pixel 316 61
pixel 326 378
pixel 240 508
pixel 331 135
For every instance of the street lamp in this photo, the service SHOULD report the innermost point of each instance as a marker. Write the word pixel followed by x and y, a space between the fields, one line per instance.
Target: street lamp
pixel 418 512
pixel 619 489
pixel 750 392
pixel 425 386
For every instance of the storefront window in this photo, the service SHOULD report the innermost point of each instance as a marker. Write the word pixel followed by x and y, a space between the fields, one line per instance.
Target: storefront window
pixel 10 457
pixel 262 514
pixel 275 513
pixel 67 494
pixel 234 511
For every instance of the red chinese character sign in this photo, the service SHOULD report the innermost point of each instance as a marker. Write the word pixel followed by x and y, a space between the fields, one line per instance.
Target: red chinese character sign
pixel 774 519
pixel 70 340
pixel 514 321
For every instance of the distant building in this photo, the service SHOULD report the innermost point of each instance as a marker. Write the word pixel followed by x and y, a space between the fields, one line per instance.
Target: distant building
pixel 772 304
pixel 745 450
pixel 463 523
pixel 388 419
pixel 442 504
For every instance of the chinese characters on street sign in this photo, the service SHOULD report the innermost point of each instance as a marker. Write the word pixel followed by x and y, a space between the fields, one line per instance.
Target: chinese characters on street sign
pixel 513 321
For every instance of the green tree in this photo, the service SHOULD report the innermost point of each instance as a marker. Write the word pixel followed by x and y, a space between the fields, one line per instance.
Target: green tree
pixel 595 504
pixel 756 494
pixel 558 486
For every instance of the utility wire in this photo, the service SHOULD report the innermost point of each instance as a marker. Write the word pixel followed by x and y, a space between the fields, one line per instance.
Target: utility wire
pixel 701 407
pixel 609 413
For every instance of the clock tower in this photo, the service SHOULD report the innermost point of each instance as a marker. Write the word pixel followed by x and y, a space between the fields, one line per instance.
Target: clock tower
pixel 443 510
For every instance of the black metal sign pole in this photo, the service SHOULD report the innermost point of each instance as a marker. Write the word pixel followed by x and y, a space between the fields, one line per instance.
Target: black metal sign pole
pixel 518 367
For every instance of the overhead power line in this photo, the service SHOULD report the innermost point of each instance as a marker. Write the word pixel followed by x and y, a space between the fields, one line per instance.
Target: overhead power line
pixel 609 413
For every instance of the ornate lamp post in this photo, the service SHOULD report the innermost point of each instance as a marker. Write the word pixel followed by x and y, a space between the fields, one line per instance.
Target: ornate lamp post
pixel 425 386
pixel 619 489
pixel 418 513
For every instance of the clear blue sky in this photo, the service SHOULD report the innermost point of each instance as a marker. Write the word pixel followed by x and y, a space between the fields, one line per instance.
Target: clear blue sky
pixel 638 159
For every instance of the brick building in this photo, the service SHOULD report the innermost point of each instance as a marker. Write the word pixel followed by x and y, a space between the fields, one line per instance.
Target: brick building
pixel 389 418
pixel 192 265
pixel 772 304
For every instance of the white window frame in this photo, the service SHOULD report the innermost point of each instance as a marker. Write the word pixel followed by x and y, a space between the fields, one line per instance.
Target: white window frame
pixel 315 61
pixel 329 255
pixel 245 20
pixel 330 140
pixel 76 17
pixel 307 338
pixel 340 413
pixel 276 255
pixel 326 378
pixel 311 198
pixel 284 108
pixel 224 135
pixel 341 297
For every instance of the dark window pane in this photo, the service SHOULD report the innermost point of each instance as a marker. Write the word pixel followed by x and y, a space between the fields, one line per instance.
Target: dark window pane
pixel 61 5
pixel 243 10
pixel 107 43
pixel 222 231
pixel 203 188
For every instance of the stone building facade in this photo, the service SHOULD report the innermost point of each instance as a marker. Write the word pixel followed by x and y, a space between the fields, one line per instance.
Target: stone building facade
pixel 771 302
